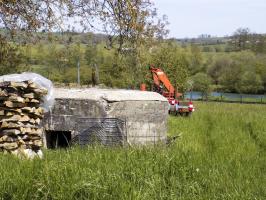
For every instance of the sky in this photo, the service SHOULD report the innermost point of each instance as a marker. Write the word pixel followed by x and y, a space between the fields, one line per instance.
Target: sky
pixel 191 18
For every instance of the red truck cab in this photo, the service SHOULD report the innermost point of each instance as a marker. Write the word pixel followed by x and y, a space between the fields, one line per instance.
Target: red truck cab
pixel 180 107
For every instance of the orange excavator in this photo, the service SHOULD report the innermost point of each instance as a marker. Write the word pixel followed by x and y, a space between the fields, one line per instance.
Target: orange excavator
pixel 162 85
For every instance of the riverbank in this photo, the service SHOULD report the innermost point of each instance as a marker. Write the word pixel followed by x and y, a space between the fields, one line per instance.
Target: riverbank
pixel 227 97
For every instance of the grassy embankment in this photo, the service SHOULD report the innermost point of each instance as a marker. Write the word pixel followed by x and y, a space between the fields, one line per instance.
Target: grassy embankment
pixel 221 155
pixel 261 100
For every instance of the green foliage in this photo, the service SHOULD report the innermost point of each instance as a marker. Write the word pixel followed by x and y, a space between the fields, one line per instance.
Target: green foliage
pixel 91 54
pixel 218 49
pixel 57 60
pixel 175 63
pixel 261 69
pixel 117 71
pixel 250 82
pixel 243 39
pixel 215 70
pixel 10 57
pixel 229 72
pixel 196 59
pixel 259 44
pixel 220 155
pixel 230 77
pixel 202 83
pixel 207 49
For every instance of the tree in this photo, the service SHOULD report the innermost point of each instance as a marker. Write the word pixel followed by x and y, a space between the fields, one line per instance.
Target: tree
pixel 250 82
pixel 128 24
pixel 196 59
pixel 175 62
pixel 91 54
pixel 241 39
pixel 260 66
pixel 207 49
pixel 10 57
pixel 218 48
pixel 93 60
pixel 216 69
pixel 258 43
pixel 231 76
pixel 202 83
pixel 123 20
pixel 31 15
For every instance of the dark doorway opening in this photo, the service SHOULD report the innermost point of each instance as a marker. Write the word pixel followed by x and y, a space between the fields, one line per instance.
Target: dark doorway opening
pixel 58 139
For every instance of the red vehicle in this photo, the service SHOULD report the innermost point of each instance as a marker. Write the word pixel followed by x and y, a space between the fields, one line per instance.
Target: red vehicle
pixel 163 86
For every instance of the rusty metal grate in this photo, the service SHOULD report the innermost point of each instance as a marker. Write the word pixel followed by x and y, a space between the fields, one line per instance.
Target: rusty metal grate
pixel 103 131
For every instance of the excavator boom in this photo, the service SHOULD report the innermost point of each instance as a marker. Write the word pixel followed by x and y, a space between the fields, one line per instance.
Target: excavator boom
pixel 160 79
pixel 163 86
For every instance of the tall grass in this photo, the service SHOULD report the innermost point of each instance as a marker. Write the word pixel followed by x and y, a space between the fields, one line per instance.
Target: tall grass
pixel 220 155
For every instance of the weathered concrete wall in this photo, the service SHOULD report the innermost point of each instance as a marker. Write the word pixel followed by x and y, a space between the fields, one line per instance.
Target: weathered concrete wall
pixel 145 112
pixel 146 120
pixel 65 111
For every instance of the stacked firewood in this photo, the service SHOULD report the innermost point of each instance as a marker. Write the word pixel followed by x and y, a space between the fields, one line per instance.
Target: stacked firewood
pixel 20 118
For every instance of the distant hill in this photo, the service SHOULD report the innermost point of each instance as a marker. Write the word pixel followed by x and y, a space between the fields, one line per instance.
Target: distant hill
pixel 60 37
pixel 204 40
pixel 207 43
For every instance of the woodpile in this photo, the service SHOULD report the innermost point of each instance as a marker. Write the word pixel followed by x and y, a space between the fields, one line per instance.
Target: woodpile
pixel 20 118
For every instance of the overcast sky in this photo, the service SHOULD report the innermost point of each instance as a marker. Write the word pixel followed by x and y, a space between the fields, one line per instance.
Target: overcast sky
pixel 190 18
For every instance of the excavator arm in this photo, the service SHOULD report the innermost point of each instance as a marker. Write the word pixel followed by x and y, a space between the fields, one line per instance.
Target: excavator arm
pixel 163 86
pixel 160 79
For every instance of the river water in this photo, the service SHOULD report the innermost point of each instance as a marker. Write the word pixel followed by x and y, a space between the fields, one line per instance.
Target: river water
pixel 232 96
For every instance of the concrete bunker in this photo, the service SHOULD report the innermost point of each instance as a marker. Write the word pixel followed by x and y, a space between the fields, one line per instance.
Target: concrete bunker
pixel 122 116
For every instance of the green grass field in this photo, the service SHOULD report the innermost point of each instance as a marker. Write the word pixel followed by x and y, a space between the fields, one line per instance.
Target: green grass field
pixel 220 155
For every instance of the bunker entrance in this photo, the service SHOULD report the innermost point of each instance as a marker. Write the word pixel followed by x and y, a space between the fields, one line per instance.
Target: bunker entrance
pixel 58 139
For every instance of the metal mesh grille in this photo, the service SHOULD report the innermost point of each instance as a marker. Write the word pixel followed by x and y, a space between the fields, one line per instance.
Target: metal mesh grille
pixel 104 131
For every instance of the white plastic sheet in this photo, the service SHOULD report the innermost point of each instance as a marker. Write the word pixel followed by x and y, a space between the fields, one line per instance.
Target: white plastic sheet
pixel 48 100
